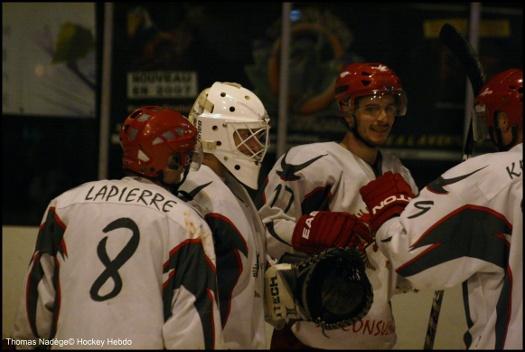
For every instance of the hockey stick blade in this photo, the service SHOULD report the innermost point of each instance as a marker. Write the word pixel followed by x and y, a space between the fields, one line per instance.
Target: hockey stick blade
pixel 466 55
pixel 468 58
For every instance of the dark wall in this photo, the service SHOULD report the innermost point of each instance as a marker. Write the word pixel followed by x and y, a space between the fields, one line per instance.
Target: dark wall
pixel 239 42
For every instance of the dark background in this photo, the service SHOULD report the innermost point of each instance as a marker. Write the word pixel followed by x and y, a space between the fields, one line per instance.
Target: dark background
pixel 44 156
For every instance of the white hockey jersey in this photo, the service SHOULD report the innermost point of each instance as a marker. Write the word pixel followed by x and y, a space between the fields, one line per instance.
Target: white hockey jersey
pixel 467 227
pixel 327 176
pixel 239 241
pixel 123 264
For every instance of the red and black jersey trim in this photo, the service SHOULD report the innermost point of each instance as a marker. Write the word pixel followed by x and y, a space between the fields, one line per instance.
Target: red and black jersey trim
pixel 261 194
pixel 318 199
pixel 469 231
pixel 229 244
pixel 190 267
pixel 49 241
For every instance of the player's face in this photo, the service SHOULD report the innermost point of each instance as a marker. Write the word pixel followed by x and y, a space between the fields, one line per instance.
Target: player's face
pixel 375 117
pixel 248 142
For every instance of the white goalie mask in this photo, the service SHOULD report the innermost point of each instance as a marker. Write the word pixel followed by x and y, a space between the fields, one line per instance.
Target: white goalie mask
pixel 233 125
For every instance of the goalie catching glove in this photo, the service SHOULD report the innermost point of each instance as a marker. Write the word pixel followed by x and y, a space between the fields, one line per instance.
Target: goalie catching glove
pixel 385 197
pixel 330 289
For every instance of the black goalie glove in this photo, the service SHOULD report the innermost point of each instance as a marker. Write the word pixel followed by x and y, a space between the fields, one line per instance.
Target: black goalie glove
pixel 330 289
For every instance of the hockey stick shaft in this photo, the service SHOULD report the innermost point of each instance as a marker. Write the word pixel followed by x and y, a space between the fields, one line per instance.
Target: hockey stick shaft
pixel 467 56
pixel 433 320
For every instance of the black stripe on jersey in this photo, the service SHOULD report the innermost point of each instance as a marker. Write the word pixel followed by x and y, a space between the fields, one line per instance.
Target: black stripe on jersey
pixel 189 196
pixel 503 309
pixel 193 270
pixel 58 297
pixel 289 170
pixel 503 315
pixel 274 234
pixel 259 198
pixel 228 243
pixel 437 185
pixel 277 191
pixel 318 199
pixel 467 337
pixel 469 231
pixel 49 241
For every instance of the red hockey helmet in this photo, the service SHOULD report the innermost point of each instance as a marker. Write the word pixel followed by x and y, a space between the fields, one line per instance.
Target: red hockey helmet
pixel 151 136
pixel 502 93
pixel 369 79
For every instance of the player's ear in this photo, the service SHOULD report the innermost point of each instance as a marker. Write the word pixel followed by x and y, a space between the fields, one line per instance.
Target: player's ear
pixel 504 132
pixel 346 112
pixel 350 119
pixel 344 106
pixel 502 121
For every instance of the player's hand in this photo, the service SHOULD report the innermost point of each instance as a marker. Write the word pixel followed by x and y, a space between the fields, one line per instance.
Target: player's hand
pixel 386 197
pixel 325 229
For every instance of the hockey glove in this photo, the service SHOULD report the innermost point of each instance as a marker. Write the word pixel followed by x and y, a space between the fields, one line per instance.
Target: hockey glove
pixel 330 288
pixel 385 197
pixel 324 229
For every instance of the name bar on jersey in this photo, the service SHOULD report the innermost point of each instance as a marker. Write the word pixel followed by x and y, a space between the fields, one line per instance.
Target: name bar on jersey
pixel 112 193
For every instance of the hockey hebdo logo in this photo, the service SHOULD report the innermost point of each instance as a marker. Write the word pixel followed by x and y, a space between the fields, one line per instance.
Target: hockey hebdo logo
pixel 71 342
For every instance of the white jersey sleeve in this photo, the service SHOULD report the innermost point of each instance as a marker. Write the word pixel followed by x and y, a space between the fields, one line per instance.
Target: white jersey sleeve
pixel 124 264
pixel 466 227
pixel 327 176
pixel 239 241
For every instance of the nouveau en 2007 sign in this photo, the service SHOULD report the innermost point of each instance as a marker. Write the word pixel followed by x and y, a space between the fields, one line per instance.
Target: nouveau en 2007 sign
pixel 162 84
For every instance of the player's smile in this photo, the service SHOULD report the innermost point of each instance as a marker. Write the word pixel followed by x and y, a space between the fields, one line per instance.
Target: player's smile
pixel 380 129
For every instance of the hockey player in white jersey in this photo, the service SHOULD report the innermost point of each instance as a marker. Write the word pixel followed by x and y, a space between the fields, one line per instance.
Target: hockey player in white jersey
pixel 124 263
pixel 326 177
pixel 467 225
pixel 233 130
